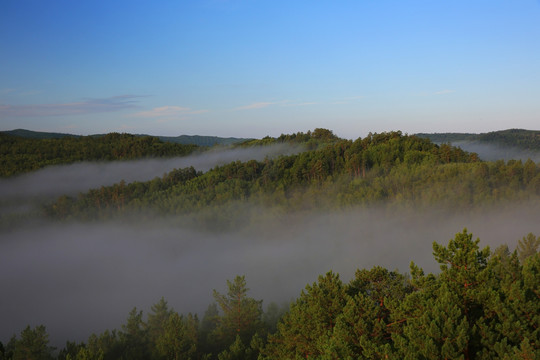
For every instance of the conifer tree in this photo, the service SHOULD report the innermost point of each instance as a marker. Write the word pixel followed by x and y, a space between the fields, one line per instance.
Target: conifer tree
pixel 528 246
pixel 180 337
pixel 33 344
pixel 305 330
pixel 134 337
pixel 155 325
pixel 365 326
pixel 241 314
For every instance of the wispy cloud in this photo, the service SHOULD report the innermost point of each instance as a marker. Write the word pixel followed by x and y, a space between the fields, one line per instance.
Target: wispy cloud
pixel 6 91
pixel 300 104
pixel 257 105
pixel 88 106
pixel 31 92
pixel 282 103
pixel 347 100
pixel 167 112
pixel 446 91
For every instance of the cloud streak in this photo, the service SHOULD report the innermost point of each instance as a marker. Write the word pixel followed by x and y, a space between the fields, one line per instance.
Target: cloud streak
pixel 257 105
pixel 88 106
pixel 264 104
pixel 167 112
pixel 446 91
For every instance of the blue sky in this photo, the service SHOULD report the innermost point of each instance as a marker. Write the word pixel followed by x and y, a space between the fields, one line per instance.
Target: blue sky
pixel 256 68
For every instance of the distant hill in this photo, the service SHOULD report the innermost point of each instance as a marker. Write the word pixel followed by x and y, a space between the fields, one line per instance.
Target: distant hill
pixel 202 140
pixel 182 139
pixel 445 138
pixel 519 138
pixel 29 134
pixel 517 144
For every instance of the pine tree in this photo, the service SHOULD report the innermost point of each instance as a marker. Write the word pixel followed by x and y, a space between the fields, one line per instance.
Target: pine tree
pixel 528 246
pixel 180 337
pixel 134 337
pixel 33 344
pixel 365 327
pixel 241 314
pixel 305 330
pixel 155 325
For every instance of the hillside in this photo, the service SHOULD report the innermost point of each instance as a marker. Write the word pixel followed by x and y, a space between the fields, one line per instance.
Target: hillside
pixel 389 168
pixel 182 139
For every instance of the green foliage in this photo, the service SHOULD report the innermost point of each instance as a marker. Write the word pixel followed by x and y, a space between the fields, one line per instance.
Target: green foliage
pixel 156 324
pixel 385 168
pixel 70 351
pixel 134 337
pixel 241 314
pixel 306 329
pixel 33 344
pixel 528 246
pixel 526 139
pixel 179 338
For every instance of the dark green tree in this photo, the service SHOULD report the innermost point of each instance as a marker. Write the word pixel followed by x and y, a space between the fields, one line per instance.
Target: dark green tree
pixel 528 246
pixel 155 324
pixel 180 338
pixel 305 330
pixel 134 337
pixel 365 327
pixel 33 344
pixel 241 315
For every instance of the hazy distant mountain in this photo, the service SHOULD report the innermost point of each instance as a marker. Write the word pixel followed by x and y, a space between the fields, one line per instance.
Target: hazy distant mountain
pixel 525 139
pixel 202 140
pixel 37 134
pixel 508 144
pixel 182 139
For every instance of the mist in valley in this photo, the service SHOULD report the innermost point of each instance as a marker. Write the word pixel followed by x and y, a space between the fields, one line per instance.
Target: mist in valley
pixel 79 278
pixel 490 152
pixel 82 278
pixel 23 192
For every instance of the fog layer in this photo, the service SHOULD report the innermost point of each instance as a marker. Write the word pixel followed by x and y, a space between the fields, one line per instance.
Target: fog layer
pixel 79 177
pixel 83 278
pixel 491 152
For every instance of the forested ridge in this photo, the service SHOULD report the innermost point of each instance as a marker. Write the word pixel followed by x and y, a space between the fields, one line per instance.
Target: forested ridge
pixel 20 154
pixel 482 305
pixel 389 168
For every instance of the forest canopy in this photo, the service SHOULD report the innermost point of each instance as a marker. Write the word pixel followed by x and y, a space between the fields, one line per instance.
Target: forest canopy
pixel 389 168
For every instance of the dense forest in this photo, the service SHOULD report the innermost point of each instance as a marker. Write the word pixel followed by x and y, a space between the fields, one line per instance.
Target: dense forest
pixel 482 305
pixel 389 168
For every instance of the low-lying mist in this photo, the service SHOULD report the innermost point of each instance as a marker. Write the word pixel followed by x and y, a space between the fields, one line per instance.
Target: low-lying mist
pixel 78 177
pixel 23 191
pixel 491 152
pixel 79 278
